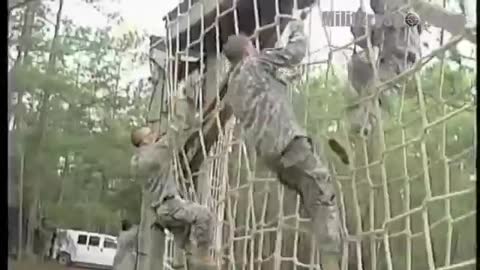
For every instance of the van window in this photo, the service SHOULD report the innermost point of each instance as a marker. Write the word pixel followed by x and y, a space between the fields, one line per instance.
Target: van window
pixel 82 239
pixel 94 241
pixel 109 243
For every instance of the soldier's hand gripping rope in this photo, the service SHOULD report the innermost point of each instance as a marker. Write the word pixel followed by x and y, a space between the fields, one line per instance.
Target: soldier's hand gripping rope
pixel 258 99
pixel 191 224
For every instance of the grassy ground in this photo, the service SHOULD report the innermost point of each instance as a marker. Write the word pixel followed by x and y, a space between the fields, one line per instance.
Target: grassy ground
pixel 30 265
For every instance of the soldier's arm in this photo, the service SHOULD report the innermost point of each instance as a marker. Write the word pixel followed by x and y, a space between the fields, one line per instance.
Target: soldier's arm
pixel 149 158
pixel 295 49
pixel 126 244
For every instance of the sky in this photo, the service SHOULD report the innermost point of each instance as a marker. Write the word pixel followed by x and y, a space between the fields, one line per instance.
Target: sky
pixel 146 15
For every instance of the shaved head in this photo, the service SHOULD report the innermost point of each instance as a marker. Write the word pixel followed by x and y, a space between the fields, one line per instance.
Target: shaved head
pixel 237 47
pixel 142 136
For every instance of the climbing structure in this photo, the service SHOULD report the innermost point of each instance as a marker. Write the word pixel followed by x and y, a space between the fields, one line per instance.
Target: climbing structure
pixel 407 193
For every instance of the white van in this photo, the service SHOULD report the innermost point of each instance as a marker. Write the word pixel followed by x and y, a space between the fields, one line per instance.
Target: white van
pixel 84 248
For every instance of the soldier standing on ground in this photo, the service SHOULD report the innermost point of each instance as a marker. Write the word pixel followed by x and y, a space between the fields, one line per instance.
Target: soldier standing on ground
pixel 125 257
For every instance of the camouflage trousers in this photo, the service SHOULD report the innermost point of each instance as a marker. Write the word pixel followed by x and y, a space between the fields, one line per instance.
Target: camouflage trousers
pixel 128 262
pixel 191 224
pixel 300 169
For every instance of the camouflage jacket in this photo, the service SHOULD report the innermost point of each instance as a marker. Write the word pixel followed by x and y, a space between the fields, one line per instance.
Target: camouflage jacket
pixel 154 163
pixel 258 98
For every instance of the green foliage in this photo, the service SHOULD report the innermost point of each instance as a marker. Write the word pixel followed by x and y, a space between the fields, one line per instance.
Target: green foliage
pixel 83 157
pixel 88 116
pixel 449 153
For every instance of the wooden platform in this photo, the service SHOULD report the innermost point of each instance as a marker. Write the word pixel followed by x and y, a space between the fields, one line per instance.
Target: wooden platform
pixel 190 22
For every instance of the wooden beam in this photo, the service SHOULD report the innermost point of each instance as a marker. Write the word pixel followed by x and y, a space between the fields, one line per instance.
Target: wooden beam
pixel 210 129
pixel 454 23
pixel 193 16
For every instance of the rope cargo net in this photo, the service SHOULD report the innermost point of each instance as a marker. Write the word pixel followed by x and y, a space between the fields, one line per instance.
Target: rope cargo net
pixel 407 197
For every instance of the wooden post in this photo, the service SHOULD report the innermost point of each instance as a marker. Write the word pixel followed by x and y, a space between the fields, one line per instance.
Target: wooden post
pixel 157 111
pixel 157 250
pixel 210 93
pixel 152 242
pixel 20 206
pixel 143 235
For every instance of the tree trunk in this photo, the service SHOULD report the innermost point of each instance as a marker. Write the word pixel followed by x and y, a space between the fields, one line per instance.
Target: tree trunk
pixel 20 206
pixel 41 130
pixel 115 91
pixel 23 51
pixel 63 179
pixel 12 4
pixel 66 167
pixel 24 46
pixel 17 112
pixel 103 188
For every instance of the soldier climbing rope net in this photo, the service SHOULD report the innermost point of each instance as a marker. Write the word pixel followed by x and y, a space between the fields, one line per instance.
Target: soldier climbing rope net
pixel 406 191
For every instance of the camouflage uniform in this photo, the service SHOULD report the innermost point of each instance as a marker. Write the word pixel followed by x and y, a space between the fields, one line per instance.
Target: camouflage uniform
pixel 259 101
pixel 191 224
pixel 400 49
pixel 125 257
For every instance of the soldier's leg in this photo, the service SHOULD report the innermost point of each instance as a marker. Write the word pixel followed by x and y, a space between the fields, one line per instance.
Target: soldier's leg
pixel 303 171
pixel 191 224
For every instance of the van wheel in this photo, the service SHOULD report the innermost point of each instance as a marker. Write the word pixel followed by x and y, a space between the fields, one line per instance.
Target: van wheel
pixel 64 258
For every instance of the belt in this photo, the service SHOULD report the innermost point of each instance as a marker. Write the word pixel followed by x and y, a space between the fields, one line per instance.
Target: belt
pixel 165 199
pixel 155 224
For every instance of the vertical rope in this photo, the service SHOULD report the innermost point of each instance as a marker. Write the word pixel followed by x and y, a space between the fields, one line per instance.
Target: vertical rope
pixel 388 225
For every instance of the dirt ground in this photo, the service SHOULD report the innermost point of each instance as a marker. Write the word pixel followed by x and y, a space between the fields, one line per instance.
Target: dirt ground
pixel 25 265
